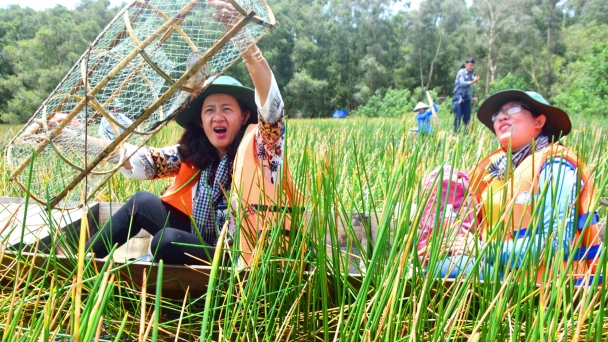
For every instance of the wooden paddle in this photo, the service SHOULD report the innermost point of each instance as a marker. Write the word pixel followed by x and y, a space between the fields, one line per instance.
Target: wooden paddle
pixel 430 99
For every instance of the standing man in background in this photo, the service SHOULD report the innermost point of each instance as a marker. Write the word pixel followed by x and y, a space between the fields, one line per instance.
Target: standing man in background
pixel 462 93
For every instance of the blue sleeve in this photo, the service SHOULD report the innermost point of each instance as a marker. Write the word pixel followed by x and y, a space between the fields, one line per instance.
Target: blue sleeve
pixel 558 178
pixel 427 115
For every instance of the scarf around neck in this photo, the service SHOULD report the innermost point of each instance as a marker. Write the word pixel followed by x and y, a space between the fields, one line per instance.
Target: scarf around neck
pixel 209 196
pixel 498 167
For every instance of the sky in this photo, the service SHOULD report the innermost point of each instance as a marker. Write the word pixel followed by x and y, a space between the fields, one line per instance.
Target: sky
pixel 43 4
pixel 414 4
pixel 70 4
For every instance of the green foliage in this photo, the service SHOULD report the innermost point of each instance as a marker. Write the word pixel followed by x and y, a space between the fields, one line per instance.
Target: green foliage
pixel 38 48
pixel 509 81
pixel 580 39
pixel 588 10
pixel 587 93
pixel 342 54
pixel 310 95
pixel 22 105
pixel 394 102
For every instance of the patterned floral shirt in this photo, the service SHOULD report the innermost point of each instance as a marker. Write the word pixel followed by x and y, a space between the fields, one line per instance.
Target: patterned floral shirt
pixel 152 163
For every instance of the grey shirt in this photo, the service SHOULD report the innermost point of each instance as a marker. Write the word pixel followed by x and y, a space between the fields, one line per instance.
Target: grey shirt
pixel 462 85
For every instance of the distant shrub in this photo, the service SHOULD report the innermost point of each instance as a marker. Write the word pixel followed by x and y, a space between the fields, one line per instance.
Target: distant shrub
pixel 393 103
pixel 509 81
pixel 586 92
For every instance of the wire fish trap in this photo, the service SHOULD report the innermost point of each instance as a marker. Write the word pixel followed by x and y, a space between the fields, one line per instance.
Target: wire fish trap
pixel 147 65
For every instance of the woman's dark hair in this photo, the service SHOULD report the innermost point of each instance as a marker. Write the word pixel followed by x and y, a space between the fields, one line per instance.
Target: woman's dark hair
pixel 468 60
pixel 195 147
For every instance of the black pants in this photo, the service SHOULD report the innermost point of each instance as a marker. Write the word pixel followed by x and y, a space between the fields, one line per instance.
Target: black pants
pixel 167 224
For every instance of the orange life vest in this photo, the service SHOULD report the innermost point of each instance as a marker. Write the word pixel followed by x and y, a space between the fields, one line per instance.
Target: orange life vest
pixel 179 193
pixel 261 205
pixel 518 199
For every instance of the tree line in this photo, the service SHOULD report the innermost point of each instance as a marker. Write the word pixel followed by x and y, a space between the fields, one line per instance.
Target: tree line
pixel 342 53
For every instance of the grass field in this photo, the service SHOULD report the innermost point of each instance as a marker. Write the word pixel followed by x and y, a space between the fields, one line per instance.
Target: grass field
pixel 359 165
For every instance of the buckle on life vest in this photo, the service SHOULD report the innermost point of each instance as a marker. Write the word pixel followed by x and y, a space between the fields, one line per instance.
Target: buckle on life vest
pixel 582 220
pixel 249 210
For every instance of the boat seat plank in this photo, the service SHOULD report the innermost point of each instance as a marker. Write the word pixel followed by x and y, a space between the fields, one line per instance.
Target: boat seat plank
pixel 361 227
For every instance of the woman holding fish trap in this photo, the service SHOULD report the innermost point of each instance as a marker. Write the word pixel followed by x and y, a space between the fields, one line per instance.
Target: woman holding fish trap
pixel 537 197
pixel 228 169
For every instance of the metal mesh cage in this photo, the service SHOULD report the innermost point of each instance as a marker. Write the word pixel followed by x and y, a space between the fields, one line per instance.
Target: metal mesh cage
pixel 145 67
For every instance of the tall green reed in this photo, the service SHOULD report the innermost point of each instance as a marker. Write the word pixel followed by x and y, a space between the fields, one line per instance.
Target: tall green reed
pixel 317 290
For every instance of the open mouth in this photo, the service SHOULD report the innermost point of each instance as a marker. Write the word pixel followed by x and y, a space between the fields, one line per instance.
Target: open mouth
pixel 220 130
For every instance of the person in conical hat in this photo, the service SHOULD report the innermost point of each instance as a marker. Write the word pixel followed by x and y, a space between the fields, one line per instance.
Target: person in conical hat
pixel 216 125
pixel 423 117
pixel 531 169
pixel 421 106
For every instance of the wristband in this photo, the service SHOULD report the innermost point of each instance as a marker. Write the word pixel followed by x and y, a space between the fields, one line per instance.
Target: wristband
pixel 253 58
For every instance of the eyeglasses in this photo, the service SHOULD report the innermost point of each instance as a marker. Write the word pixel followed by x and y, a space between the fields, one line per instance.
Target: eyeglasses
pixel 509 111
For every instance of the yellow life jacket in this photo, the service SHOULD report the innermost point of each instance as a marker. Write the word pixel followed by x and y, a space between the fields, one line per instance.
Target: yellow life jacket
pixel 258 203
pixel 518 205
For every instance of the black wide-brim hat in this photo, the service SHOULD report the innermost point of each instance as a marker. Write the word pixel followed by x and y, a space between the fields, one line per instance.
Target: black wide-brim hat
pixel 221 85
pixel 557 124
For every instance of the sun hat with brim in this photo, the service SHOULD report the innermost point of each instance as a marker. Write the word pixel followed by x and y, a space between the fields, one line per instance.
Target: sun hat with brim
pixel 221 85
pixel 420 105
pixel 557 124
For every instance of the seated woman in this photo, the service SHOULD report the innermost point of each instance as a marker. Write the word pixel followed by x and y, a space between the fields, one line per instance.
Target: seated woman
pixel 216 154
pixel 530 189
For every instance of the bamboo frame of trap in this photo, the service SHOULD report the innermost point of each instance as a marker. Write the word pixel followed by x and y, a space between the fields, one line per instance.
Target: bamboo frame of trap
pixel 170 25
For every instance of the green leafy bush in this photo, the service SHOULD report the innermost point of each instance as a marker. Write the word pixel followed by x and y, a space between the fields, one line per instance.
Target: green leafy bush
pixel 509 81
pixel 587 85
pixel 393 103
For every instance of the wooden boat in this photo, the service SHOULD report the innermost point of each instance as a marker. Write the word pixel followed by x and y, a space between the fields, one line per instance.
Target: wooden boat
pixel 37 225
pixel 35 238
